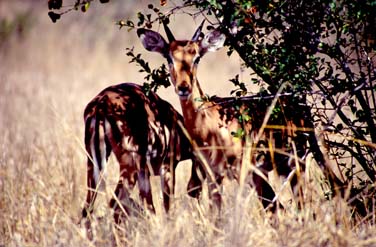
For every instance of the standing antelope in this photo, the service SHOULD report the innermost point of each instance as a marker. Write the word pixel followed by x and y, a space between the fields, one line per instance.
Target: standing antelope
pixel 142 131
pixel 211 125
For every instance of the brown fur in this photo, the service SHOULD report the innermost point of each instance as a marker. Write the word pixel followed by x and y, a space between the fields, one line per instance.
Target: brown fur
pixel 143 132
pixel 212 124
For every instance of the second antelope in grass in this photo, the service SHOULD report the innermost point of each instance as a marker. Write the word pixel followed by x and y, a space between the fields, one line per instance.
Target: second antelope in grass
pixel 142 131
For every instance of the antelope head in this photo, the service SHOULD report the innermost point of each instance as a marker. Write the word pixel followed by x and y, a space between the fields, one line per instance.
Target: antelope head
pixel 182 56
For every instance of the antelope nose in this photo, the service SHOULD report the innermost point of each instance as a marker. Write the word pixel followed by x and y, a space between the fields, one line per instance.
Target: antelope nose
pixel 183 90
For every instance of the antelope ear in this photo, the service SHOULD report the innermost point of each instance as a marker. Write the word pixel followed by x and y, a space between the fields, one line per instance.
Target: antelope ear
pixel 212 42
pixel 152 41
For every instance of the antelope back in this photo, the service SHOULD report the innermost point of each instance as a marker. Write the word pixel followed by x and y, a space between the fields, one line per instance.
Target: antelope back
pixel 146 124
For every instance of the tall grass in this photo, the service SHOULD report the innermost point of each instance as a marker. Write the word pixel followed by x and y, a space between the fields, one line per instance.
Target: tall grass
pixel 47 76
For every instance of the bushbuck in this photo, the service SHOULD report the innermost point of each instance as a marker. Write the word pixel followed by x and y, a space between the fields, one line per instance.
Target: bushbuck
pixel 213 124
pixel 142 130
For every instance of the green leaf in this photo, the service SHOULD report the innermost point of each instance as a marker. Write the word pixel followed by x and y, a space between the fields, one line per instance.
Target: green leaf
pixel 239 133
pixel 85 7
pixel 246 118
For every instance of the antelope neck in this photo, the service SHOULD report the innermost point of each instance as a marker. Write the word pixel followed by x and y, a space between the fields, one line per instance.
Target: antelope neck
pixel 191 104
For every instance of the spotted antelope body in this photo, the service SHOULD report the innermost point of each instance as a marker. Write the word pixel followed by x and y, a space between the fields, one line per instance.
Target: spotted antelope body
pixel 212 124
pixel 142 131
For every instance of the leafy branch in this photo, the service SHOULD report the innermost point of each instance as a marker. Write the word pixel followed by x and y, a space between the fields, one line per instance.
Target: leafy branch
pixel 54 5
pixel 154 77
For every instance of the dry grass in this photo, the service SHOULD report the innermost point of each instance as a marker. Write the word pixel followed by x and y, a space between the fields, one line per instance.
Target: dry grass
pixel 46 78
